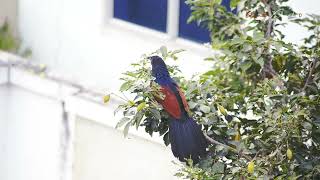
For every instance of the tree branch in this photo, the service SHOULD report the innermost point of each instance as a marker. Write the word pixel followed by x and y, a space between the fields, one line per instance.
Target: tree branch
pixel 313 66
pixel 268 70
pixel 270 20
pixel 226 146
pixel 218 143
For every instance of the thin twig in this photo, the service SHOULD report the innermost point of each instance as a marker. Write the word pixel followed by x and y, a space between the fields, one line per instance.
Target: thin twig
pixel 256 154
pixel 270 21
pixel 122 98
pixel 314 63
pixel 218 143
pixel 225 146
pixel 268 70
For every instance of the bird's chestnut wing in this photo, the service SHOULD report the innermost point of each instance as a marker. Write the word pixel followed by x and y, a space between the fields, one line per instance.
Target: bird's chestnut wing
pixel 170 102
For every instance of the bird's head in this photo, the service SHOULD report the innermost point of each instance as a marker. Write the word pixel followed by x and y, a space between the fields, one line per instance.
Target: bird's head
pixel 157 61
pixel 159 68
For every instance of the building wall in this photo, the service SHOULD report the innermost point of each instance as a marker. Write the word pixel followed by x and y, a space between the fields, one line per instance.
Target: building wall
pixel 8 11
pixel 29 135
pixel 101 153
pixel 3 137
pixel 74 38
pixel 33 136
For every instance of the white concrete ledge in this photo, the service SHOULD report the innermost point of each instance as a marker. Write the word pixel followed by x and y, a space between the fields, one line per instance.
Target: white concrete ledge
pixel 104 114
pixel 76 102
pixel 37 84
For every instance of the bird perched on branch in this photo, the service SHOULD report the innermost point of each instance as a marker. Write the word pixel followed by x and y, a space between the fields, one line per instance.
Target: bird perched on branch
pixel 186 137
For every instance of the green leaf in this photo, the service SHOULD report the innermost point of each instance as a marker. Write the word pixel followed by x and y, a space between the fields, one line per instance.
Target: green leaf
pixel 155 113
pixel 177 51
pixel 137 118
pixel 209 59
pixel 234 3
pixel 164 51
pixel 245 65
pixel 130 74
pixel 192 104
pixel 204 108
pixel 257 36
pixel 141 106
pixel 126 129
pixel 166 139
pixel 260 62
pixel 179 174
pixel 218 168
pixel 222 110
pixel 122 122
pixel 125 86
pixel 217 1
pixel 131 103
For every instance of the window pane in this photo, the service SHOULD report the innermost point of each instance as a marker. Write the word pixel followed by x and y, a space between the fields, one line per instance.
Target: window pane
pixel 148 13
pixel 192 31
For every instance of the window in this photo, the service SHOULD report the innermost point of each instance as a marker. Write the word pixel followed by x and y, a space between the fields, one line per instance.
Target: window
pixel 147 13
pixel 153 14
pixel 192 31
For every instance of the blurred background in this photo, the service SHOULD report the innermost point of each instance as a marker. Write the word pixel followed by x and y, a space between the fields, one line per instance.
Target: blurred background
pixel 59 57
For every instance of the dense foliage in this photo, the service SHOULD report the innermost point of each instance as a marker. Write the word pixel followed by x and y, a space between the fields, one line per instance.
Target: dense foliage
pixel 7 41
pixel 261 97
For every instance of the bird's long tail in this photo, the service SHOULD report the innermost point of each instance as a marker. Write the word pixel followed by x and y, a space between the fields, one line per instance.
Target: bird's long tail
pixel 187 140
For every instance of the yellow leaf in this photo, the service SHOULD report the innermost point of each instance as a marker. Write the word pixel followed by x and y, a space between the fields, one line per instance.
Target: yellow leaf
pixel 237 137
pixel 222 110
pixel 42 75
pixel 106 98
pixel 42 66
pixel 131 103
pixel 141 106
pixel 289 154
pixel 251 167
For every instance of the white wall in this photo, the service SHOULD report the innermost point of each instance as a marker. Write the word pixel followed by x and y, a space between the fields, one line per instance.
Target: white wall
pixel 102 153
pixel 73 36
pixel 3 136
pixel 31 135
pixel 29 129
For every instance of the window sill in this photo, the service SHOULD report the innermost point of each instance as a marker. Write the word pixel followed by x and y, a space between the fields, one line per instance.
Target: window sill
pixel 151 35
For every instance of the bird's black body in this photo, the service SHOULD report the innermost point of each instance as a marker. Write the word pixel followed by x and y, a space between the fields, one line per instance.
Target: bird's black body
pixel 186 137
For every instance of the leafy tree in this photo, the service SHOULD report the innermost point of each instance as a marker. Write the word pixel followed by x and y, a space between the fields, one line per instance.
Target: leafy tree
pixel 259 105
pixel 7 41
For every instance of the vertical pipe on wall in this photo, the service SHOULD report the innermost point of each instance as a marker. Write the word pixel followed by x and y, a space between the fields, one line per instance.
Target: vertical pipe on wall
pixel 9 73
pixel 173 18
pixel 67 141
